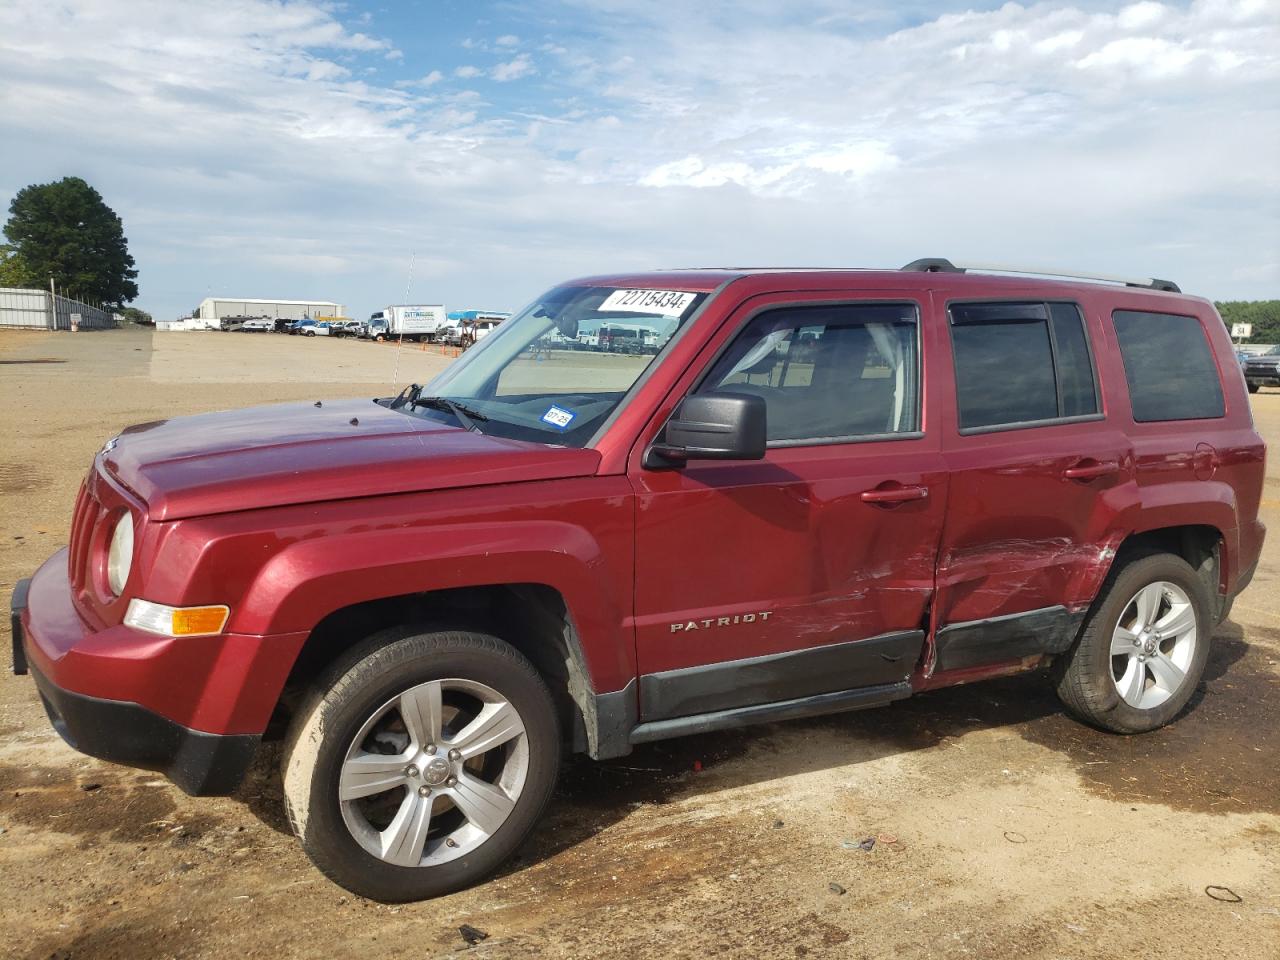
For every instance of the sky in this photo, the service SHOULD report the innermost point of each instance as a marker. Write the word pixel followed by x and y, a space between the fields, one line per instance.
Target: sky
pixel 475 154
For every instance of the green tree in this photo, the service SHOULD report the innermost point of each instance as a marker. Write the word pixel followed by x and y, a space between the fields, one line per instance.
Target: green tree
pixel 14 271
pixel 64 230
pixel 1263 314
pixel 134 315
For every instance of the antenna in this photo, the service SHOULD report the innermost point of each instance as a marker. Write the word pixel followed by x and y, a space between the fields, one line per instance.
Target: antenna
pixel 395 376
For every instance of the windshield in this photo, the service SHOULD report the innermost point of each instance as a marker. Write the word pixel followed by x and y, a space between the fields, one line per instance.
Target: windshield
pixel 553 373
pixel 1274 351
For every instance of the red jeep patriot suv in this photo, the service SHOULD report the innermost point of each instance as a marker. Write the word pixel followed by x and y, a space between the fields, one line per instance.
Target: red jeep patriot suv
pixel 826 490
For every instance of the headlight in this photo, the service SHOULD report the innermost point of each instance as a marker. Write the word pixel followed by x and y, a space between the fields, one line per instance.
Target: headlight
pixel 120 554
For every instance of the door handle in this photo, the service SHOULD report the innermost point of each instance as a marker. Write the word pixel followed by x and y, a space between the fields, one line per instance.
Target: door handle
pixel 1091 469
pixel 894 494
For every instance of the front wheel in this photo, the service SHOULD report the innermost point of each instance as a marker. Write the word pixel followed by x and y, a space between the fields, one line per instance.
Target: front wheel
pixel 1142 649
pixel 1253 387
pixel 420 763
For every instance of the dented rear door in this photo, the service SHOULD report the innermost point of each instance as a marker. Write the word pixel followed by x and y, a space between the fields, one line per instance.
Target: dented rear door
pixel 1039 479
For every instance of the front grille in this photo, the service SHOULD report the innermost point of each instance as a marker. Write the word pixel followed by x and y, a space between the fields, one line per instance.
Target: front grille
pixel 83 520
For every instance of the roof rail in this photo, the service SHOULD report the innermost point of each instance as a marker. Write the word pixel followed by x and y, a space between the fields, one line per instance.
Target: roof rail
pixel 940 265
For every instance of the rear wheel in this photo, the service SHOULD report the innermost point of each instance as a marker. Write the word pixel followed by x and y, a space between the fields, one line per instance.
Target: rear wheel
pixel 1253 387
pixel 420 763
pixel 1143 647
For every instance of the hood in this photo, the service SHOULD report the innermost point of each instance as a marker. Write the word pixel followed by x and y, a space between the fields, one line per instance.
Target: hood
pixel 304 453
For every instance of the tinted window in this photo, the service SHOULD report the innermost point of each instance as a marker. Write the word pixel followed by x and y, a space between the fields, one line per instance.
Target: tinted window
pixel 1020 363
pixel 1075 370
pixel 827 372
pixel 1004 363
pixel 1169 367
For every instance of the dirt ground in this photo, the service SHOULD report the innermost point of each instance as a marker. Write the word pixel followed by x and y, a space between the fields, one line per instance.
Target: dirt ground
pixel 1004 828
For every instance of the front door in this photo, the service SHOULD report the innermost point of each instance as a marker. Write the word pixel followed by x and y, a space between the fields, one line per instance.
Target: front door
pixel 809 571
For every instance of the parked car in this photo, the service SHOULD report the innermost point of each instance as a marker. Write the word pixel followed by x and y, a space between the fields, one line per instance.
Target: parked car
pixel 626 338
pixel 1263 370
pixel 310 328
pixel 439 592
pixel 346 328
pixel 299 326
pixel 281 325
pixel 260 325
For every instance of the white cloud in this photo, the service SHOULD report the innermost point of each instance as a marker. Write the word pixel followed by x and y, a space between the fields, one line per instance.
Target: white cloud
pixel 521 66
pixel 855 160
pixel 314 263
pixel 245 147
pixel 507 40
pixel 1139 15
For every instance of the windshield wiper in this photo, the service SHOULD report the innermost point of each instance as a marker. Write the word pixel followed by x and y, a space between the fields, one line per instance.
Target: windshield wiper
pixel 404 396
pixel 465 415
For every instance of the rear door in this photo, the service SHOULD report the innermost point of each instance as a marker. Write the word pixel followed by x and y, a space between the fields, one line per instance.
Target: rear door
pixel 810 571
pixel 1038 474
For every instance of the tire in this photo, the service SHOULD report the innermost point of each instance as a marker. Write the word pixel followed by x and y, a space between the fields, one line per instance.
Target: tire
pixel 1253 387
pixel 353 717
pixel 1138 688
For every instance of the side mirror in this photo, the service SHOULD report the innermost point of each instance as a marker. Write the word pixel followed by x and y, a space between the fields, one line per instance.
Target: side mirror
pixel 712 426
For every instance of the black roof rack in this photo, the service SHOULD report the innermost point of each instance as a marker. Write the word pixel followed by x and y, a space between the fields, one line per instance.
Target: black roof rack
pixel 941 265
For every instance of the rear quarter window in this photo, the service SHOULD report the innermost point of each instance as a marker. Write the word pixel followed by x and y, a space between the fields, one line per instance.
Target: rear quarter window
pixel 1169 367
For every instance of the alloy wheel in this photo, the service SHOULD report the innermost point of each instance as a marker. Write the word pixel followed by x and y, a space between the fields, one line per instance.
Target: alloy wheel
pixel 434 772
pixel 1153 645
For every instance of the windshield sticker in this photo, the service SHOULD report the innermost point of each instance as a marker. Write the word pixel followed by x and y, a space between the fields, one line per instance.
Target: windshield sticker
pixel 665 303
pixel 558 417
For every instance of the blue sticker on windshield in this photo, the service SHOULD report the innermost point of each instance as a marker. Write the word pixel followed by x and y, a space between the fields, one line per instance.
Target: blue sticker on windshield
pixel 558 417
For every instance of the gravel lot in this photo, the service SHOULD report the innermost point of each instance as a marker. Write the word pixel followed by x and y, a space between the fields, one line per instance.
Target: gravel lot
pixel 1005 829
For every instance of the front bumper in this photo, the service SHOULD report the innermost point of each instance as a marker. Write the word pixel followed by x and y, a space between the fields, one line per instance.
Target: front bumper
pixel 1263 376
pixel 122 732
pixel 193 708
pixel 202 764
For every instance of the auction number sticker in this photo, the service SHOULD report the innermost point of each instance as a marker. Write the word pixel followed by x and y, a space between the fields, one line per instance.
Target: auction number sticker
pixel 666 303
pixel 558 417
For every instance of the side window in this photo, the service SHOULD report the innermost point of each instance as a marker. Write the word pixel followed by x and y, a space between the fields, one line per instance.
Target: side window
pixel 1020 363
pixel 1075 369
pixel 1169 367
pixel 827 372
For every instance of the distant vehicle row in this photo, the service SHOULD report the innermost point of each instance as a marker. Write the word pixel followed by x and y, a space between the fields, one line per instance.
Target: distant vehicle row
pixel 427 323
pixel 430 324
pixel 456 335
